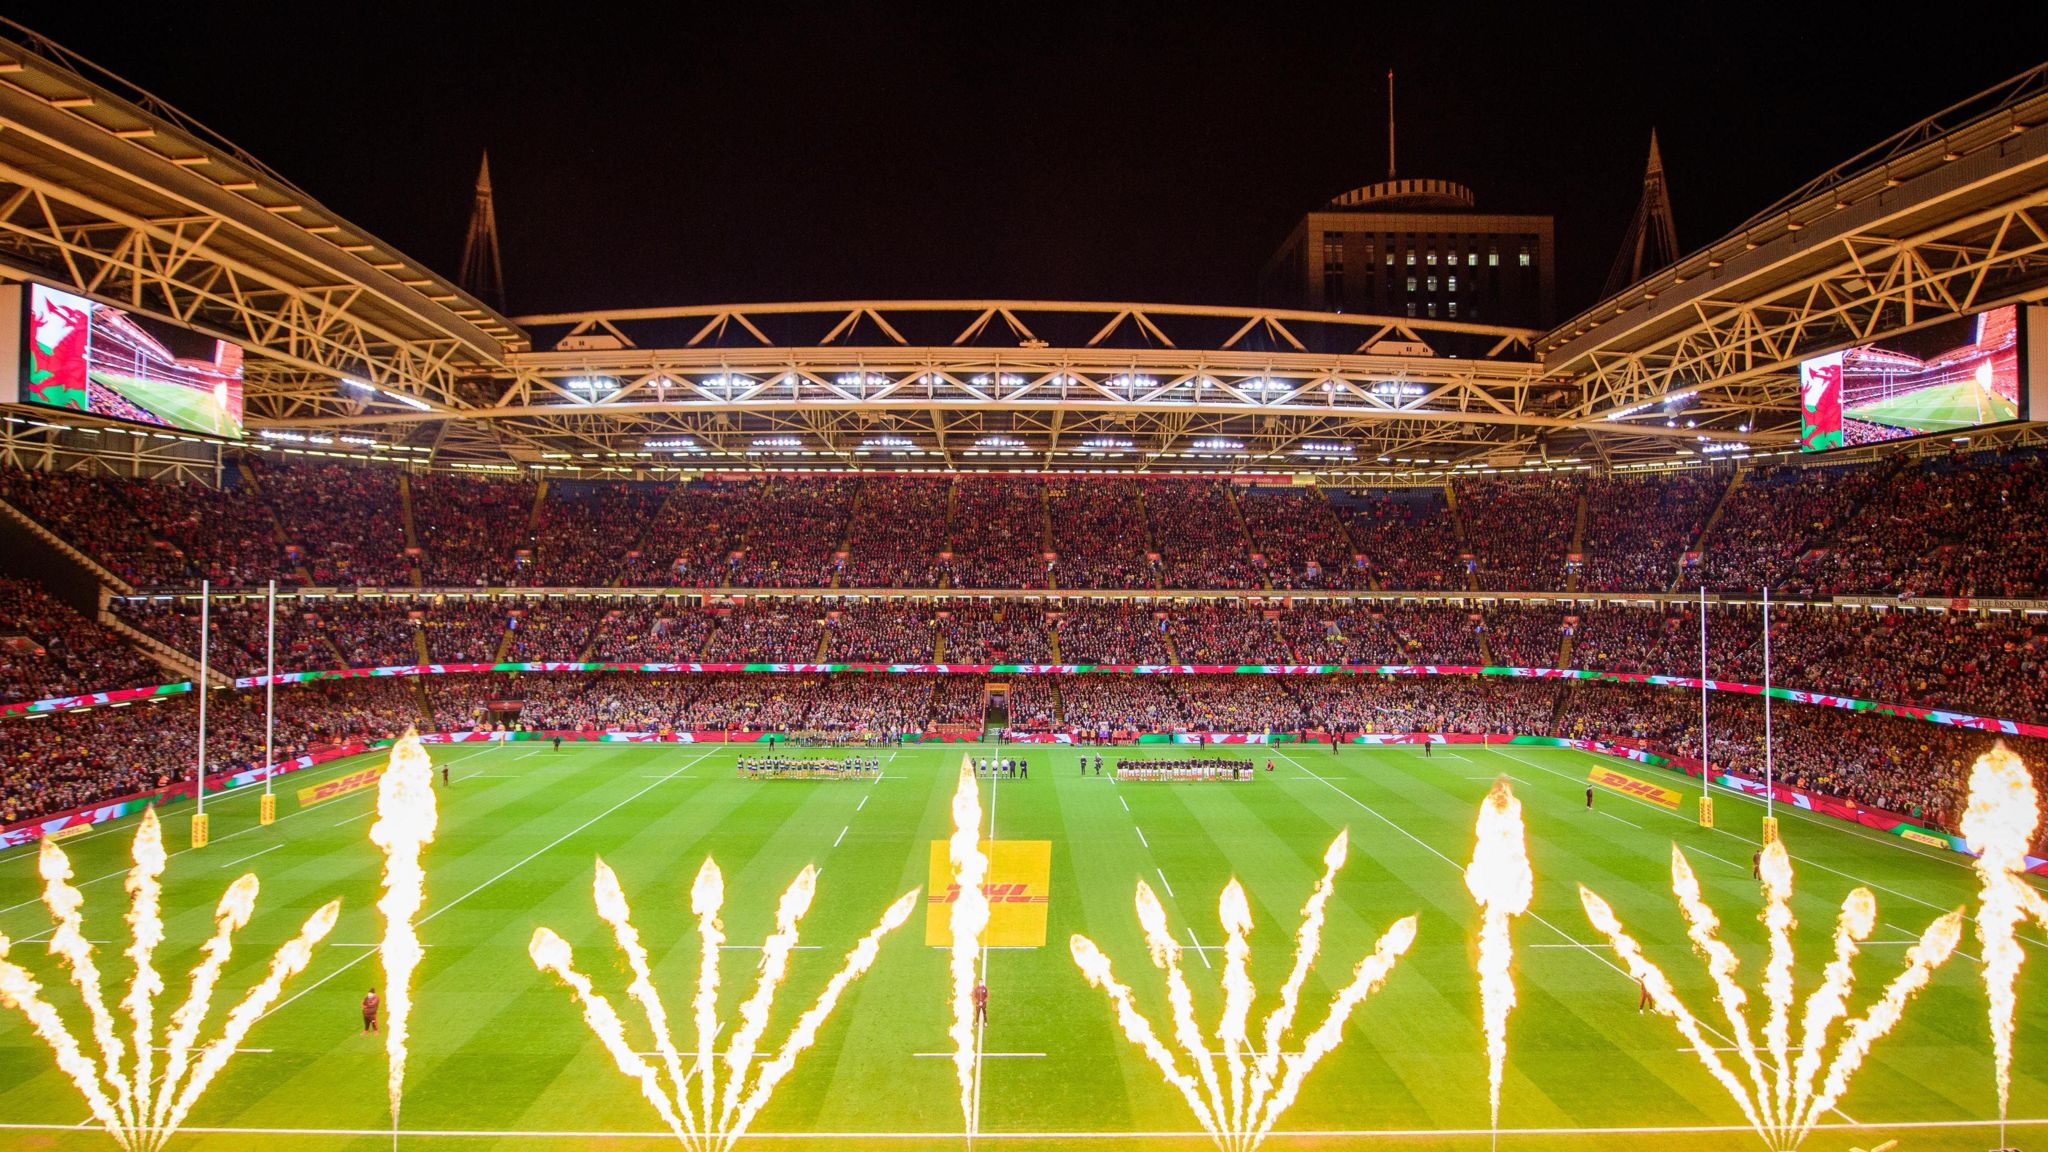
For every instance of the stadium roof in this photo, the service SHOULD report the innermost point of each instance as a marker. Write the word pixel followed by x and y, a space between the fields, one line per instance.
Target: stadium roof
pixel 109 191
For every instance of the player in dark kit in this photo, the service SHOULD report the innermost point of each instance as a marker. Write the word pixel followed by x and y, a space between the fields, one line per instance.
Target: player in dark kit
pixel 1098 763
pixel 444 775
pixel 370 1004
pixel 981 1003
pixel 558 743
pixel 1589 797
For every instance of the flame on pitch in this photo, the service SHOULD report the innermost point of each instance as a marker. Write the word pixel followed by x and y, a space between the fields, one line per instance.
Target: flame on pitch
pixel 1500 880
pixel 968 922
pixel 136 1105
pixel 703 1120
pixel 1237 1088
pixel 1999 827
pixel 406 816
pixel 1782 1096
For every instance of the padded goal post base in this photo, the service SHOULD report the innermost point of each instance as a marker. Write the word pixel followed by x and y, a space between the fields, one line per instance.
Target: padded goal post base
pixel 199 831
pixel 266 810
pixel 1770 829
pixel 1706 811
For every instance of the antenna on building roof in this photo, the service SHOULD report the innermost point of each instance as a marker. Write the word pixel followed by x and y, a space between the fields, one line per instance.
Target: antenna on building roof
pixel 1390 123
pixel 483 273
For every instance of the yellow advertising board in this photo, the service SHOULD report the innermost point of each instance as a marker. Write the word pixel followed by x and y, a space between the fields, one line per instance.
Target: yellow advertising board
pixel 341 785
pixel 1019 891
pixel 1608 778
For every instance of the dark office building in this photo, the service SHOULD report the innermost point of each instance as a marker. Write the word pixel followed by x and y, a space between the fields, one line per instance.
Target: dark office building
pixel 1416 248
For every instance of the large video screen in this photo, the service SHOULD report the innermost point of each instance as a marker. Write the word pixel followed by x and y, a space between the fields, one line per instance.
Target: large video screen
pixel 1951 376
pixel 90 357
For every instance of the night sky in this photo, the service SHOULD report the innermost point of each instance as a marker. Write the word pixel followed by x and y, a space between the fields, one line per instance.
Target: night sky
pixel 785 152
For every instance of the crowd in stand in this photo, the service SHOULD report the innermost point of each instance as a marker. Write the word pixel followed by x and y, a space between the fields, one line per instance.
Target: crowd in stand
pixel 345 526
pixel 1525 635
pixel 1638 527
pixel 1114 633
pixel 899 529
pixel 1409 542
pixel 996 632
pixel 1200 538
pixel 881 633
pixel 47 648
pixel 1971 525
pixel 998 533
pixel 1298 537
pixel 470 527
pixel 1099 535
pixel 1227 634
pixel 1520 530
pixel 586 531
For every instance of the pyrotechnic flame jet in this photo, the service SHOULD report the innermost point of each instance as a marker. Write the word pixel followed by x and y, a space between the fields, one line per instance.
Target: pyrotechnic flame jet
pixel 1238 1102
pixel 138 1107
pixel 405 822
pixel 703 1124
pixel 1999 826
pixel 968 920
pixel 1500 880
pixel 1784 1100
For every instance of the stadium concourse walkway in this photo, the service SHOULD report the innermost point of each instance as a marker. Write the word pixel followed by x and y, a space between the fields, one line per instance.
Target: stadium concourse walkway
pixel 499 1050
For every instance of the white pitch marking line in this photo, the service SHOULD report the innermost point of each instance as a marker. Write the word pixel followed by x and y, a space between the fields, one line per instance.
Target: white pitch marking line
pixel 1163 880
pixel 289 1000
pixel 1612 816
pixel 1916 940
pixel 863 803
pixel 842 836
pixel 356 817
pixel 252 856
pixel 1197 945
pixel 1141 837
pixel 984 1055
pixel 1197 1137
pixel 1124 802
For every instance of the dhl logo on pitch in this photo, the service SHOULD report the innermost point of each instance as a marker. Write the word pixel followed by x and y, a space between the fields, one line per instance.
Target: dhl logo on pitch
pixel 1019 888
pixel 1609 778
pixel 341 786
pixel 997 894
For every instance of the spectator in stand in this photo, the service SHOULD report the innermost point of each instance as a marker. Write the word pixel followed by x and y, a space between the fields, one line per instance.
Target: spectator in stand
pixel 662 632
pixel 693 539
pixel 1525 635
pixel 767 631
pixel 793 533
pixel 1225 634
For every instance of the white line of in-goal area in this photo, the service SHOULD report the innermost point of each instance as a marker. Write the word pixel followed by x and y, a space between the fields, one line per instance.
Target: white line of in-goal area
pixel 1192 1137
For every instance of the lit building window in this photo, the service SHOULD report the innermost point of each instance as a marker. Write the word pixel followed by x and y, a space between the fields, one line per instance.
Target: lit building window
pixel 1411 283
pixel 1454 309
pixel 1452 284
pixel 1525 258
pixel 1493 257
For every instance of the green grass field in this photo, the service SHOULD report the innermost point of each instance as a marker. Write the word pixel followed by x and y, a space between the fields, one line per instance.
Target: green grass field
pixel 502 1060
pixel 187 408
pixel 1943 408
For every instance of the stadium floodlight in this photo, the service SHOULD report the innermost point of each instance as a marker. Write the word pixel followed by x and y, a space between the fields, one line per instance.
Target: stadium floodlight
pixel 887 444
pixel 778 442
pixel 1219 444
pixel 1387 388
pixel 1106 444
pixel 1325 448
pixel 998 442
pixel 408 401
pixel 1133 383
pixel 353 382
pixel 673 444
